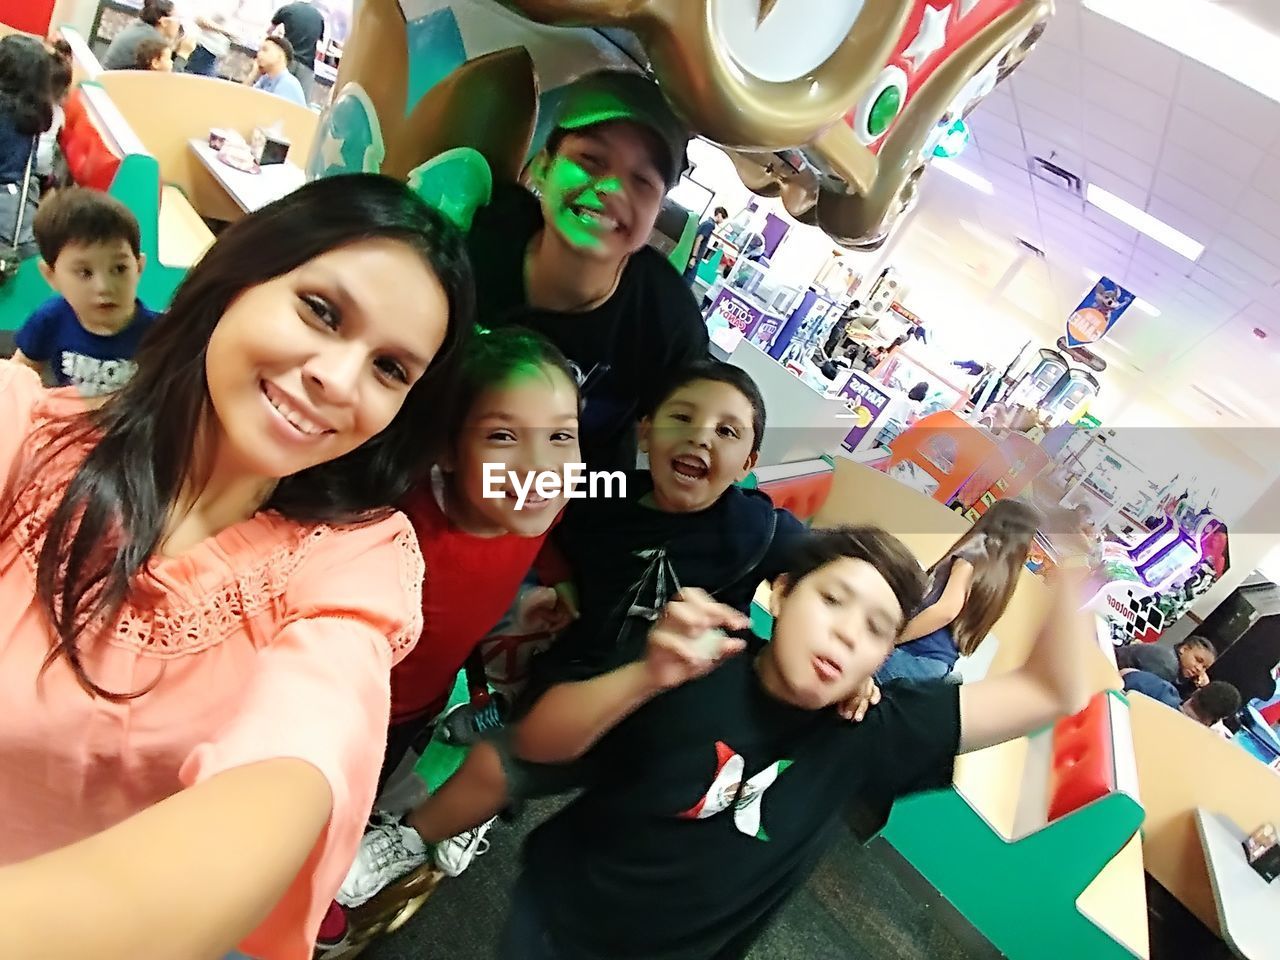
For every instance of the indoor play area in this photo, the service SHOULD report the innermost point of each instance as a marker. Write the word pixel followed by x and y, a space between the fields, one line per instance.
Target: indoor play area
pixel 902 222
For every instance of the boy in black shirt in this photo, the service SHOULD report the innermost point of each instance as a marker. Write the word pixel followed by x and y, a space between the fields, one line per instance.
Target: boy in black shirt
pixel 573 262
pixel 709 804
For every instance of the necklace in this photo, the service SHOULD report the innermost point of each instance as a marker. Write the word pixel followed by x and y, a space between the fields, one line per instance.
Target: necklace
pixel 588 304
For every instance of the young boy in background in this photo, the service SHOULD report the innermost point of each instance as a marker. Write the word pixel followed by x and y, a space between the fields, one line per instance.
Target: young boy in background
pixel 90 253
pixel 718 779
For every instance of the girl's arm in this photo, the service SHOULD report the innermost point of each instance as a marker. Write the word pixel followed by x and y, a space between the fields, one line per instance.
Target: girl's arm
pixel 189 877
pixel 948 606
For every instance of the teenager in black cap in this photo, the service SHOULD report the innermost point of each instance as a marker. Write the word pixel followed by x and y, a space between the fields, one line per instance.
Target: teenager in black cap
pixel 573 262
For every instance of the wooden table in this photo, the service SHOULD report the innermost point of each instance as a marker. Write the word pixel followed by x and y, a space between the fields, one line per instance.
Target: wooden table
pixel 1248 906
pixel 250 191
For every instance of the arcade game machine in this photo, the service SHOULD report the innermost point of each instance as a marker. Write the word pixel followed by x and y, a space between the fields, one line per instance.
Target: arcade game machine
pixel 1035 386
pixel 1069 398
pixel 1140 589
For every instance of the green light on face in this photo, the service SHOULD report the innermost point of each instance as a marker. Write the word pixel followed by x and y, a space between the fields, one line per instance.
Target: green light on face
pixel 884 110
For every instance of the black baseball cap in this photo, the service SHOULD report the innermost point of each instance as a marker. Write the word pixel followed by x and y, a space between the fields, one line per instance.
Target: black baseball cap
pixel 607 95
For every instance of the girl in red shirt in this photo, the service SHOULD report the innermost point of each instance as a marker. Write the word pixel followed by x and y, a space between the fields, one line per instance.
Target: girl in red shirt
pixel 517 416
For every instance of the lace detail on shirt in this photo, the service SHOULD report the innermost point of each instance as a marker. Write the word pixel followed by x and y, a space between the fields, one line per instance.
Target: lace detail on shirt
pixel 413 571
pixel 175 626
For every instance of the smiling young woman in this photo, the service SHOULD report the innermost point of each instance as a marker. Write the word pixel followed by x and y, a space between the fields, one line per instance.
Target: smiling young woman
pixel 203 588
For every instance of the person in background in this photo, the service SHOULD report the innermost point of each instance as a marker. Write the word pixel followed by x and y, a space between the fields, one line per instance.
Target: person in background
pixel 60 86
pixel 303 26
pixel 156 21
pixel 154 55
pixel 969 589
pixel 211 29
pixel 1210 705
pixel 273 76
pixel 702 241
pixel 26 111
pixel 90 254
pixel 1185 664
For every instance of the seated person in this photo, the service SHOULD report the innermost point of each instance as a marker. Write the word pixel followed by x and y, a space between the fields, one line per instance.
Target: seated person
pixel 90 253
pixel 272 74
pixel 1210 704
pixel 1184 664
pixel 718 772
pixel 153 54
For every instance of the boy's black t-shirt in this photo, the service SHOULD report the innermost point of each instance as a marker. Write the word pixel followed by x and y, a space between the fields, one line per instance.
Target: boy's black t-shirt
pixel 650 327
pixel 709 806
pixel 629 559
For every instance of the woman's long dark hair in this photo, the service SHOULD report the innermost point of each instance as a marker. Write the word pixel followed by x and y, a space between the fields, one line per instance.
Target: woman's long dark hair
pixel 26 84
pixel 114 512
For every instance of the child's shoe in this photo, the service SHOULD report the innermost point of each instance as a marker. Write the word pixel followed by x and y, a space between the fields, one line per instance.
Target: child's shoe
pixel 467 723
pixel 454 855
pixel 387 852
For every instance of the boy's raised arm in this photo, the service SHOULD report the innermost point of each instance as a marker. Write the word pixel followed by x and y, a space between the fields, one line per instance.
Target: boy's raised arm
pixel 570 717
pixel 1054 682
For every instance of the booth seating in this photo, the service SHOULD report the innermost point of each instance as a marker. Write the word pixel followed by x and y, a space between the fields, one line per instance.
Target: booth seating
pixel 103 153
pixel 169 109
pixel 800 487
pixel 1035 886
pixel 1183 765
pixel 95 139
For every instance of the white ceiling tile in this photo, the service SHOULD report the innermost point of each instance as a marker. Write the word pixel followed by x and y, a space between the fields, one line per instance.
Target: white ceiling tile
pixel 1180 219
pixel 1139 58
pixel 1049 97
pixel 1226 250
pixel 1126 165
pixel 990 128
pixel 1052 63
pixel 1100 221
pixel 1225 280
pixel 1114 101
pixel 1169 274
pixel 1253 238
pixel 1201 135
pixel 1266 179
pixel 1002 151
pixel 1203 209
pixel 1259 209
pixel 1144 144
pixel 1204 174
pixel 1121 186
pixel 1046 125
pixel 1160 252
pixel 998 103
pixel 1209 93
pixel 1064 28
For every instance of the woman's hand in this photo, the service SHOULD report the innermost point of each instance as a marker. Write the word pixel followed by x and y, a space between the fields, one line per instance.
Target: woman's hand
pixel 688 640
pixel 858 703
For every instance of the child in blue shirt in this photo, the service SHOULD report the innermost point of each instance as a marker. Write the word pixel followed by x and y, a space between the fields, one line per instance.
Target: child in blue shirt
pixel 90 254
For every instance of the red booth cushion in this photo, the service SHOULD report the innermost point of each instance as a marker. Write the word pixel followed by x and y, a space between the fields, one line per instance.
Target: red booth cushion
pixel 1083 766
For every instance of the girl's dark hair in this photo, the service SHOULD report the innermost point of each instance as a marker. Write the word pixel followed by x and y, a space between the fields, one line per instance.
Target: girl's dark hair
pixel 997 546
pixel 719 372
pixel 882 550
pixel 112 516
pixel 26 84
pixel 153 11
pixel 491 357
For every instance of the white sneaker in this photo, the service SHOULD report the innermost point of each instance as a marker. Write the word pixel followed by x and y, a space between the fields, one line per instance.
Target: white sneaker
pixel 387 853
pixel 454 855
